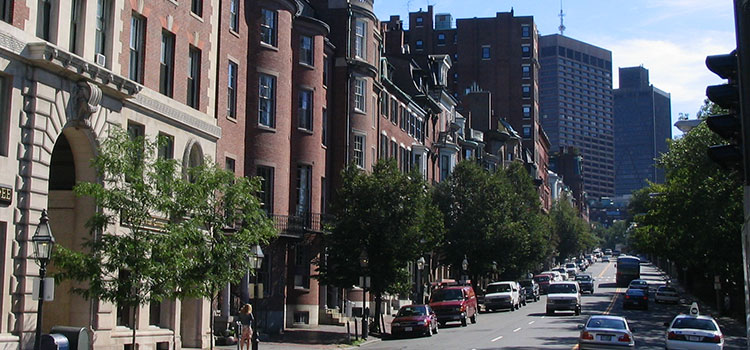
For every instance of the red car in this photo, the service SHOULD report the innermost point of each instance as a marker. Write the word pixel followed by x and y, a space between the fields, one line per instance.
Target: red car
pixel 455 303
pixel 416 319
pixel 543 281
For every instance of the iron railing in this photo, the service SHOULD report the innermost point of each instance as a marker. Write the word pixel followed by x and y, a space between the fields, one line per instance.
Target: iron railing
pixel 297 225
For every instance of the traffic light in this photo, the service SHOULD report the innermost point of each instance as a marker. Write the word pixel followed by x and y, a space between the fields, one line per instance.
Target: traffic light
pixel 728 125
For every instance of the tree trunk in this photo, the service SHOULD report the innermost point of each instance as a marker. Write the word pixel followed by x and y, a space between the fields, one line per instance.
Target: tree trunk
pixel 211 321
pixel 378 301
pixel 134 311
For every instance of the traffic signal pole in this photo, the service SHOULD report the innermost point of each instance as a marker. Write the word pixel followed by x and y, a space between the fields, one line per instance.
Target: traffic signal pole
pixel 742 27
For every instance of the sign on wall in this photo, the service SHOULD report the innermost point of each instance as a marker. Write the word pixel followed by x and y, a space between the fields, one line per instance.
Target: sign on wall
pixel 6 194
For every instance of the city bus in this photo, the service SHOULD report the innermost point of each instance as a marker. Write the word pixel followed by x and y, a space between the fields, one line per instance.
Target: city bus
pixel 628 269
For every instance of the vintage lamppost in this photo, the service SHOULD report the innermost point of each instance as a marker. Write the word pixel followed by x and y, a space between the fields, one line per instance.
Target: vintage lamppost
pixel 420 293
pixel 364 261
pixel 256 260
pixel 44 243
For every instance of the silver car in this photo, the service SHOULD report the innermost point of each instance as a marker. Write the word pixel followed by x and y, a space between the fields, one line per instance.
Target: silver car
pixel 606 332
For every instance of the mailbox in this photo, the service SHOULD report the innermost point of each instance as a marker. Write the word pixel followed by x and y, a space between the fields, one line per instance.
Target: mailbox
pixel 54 342
pixel 78 337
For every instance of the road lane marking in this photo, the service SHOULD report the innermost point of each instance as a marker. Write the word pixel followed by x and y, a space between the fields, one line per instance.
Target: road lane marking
pixel 603 271
pixel 517 329
pixel 532 322
pixel 612 303
pixel 498 338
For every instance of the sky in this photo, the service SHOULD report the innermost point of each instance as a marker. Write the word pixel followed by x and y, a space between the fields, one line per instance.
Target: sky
pixel 670 38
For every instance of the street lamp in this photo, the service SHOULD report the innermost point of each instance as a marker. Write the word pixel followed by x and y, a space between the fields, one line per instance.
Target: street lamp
pixel 464 268
pixel 44 243
pixel 364 261
pixel 420 267
pixel 256 260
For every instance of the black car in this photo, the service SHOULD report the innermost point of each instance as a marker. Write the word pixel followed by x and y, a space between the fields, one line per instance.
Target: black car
pixel 635 298
pixel 586 282
pixel 530 289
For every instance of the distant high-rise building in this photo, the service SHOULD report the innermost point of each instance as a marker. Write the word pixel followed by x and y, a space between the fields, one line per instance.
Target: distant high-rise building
pixel 575 94
pixel 642 126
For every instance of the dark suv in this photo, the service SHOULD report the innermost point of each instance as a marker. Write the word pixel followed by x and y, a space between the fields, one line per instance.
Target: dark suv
pixel 530 289
pixel 586 282
pixel 454 303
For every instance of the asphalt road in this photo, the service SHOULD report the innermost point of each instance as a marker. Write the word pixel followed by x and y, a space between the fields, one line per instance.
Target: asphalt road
pixel 529 328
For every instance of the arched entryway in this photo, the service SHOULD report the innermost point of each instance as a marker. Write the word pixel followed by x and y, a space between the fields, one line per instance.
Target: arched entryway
pixel 70 163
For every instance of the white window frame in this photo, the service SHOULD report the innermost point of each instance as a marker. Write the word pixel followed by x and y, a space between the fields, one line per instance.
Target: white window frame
pixel 360 102
pixel 267 97
pixel 305 110
pixel 360 41
pixel 358 150
pixel 268 30
pixel 137 45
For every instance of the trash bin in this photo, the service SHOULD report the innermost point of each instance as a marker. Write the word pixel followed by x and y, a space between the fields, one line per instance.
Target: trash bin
pixel 78 337
pixel 54 342
pixel 348 308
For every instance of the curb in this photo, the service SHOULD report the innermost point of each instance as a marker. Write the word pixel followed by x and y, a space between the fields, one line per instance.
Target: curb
pixel 368 342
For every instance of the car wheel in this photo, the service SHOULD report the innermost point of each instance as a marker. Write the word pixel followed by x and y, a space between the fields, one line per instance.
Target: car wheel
pixel 463 322
pixel 474 318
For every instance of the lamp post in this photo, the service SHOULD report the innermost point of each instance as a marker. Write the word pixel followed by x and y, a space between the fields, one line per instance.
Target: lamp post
pixel 43 242
pixel 256 260
pixel 464 269
pixel 364 261
pixel 420 294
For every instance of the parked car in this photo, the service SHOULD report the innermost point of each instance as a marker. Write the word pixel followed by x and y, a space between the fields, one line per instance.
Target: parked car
pixel 605 332
pixel 563 273
pixel 586 282
pixel 455 303
pixel 531 289
pixel 564 296
pixel 694 332
pixel 543 280
pixel 502 295
pixel 556 275
pixel 635 298
pixel 666 294
pixel 415 319
pixel 570 269
pixel 639 284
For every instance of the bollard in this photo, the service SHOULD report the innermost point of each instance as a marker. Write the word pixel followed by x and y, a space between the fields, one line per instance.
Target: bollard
pixel 356 329
pixel 348 333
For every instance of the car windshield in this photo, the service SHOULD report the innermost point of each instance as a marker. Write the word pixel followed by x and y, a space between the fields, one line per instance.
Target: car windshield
pixel 498 288
pixel 562 288
pixel 694 323
pixel 570 266
pixel 407 311
pixel 634 291
pixel 598 322
pixel 541 278
pixel 525 283
pixel 583 278
pixel 447 295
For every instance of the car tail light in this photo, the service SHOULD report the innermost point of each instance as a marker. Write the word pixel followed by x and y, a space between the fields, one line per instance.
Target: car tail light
pixel 627 296
pixel 587 335
pixel 645 298
pixel 714 339
pixel 625 338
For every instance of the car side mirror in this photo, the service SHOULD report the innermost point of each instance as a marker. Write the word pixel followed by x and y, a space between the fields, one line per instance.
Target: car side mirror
pixel 580 326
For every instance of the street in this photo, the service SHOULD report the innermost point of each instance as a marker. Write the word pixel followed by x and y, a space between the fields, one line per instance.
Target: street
pixel 529 328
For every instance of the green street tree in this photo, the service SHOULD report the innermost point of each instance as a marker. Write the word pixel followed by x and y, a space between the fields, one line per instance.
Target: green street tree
pixel 571 232
pixel 383 215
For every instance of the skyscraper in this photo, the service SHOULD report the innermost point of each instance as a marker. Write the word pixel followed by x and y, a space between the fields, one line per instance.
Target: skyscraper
pixel 575 93
pixel 642 127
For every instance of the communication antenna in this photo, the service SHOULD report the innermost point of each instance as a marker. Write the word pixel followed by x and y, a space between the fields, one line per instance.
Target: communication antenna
pixel 561 15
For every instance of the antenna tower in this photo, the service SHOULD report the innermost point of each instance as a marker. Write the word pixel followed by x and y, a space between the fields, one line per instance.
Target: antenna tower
pixel 561 15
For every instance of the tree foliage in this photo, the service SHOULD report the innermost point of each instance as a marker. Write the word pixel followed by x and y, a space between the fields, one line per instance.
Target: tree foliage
pixel 572 233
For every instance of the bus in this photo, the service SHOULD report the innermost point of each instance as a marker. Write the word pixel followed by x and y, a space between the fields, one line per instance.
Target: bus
pixel 628 269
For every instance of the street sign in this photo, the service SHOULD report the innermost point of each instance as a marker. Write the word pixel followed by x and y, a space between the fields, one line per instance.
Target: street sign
pixel 49 289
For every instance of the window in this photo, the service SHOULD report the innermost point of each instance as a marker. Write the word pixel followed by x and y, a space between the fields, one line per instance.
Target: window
pixel 301 277
pixel 525 31
pixel 360 45
pixel 323 194
pixel 526 109
pixel 305 110
pixel 374 112
pixel 196 7
pixel 359 150
pixel 526 71
pixel 194 78
pixel 306 50
pixel 75 22
pixel 137 42
pixel 394 150
pixel 486 52
pixel 103 8
pixel 6 11
pixel 525 51
pixel 445 161
pixel 526 91
pixel 267 101
pixel 266 188
pixel 394 111
pixel 232 89
pixel 136 133
pixel 325 70
pixel 441 39
pixel 229 164
pixel 234 16
pixel 154 313
pixel 384 104
pixel 304 183
pixel 4 116
pixel 324 129
pixel 402 122
pixel 166 146
pixel 359 94
pixel 383 146
pixel 44 20
pixel 268 27
pixel 526 131
pixel 420 21
pixel 419 45
pixel 166 64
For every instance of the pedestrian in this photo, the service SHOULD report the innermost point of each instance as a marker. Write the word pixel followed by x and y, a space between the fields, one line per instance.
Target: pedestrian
pixel 246 319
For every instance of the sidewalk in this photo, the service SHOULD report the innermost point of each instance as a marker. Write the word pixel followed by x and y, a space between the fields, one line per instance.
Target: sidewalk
pixel 319 337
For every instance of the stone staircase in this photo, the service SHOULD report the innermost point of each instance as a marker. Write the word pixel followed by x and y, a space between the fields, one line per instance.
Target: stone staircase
pixel 333 317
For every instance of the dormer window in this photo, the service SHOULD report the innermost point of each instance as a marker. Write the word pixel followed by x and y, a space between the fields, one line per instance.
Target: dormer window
pixel 420 21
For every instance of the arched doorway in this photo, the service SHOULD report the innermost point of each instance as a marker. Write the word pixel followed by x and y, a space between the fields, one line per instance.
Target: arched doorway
pixel 69 164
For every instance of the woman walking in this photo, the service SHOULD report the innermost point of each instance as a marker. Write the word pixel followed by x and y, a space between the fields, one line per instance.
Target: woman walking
pixel 246 319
